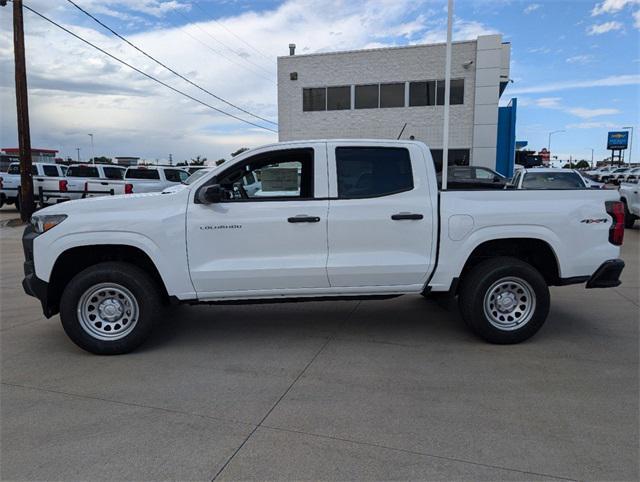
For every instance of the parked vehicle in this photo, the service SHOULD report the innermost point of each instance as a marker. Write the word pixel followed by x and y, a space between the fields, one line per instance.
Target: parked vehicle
pixel 192 169
pixel 78 175
pixel 152 178
pixel 548 178
pixel 630 197
pixel 596 174
pixel 631 175
pixel 109 264
pixel 614 176
pixel 46 177
pixel 590 183
pixel 467 176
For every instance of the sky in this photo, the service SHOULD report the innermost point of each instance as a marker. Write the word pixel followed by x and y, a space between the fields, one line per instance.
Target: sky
pixel 575 67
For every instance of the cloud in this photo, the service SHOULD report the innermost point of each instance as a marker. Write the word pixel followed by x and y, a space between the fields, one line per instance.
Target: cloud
pixel 548 102
pixel 580 59
pixel 532 7
pixel 590 113
pixel 613 81
pixel 612 6
pixel 592 125
pixel 636 19
pixel 599 29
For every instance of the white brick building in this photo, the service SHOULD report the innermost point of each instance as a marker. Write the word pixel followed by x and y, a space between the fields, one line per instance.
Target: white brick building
pixel 373 93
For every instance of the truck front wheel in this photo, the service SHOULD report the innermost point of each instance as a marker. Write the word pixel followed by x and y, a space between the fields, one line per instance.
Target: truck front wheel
pixel 109 308
pixel 504 300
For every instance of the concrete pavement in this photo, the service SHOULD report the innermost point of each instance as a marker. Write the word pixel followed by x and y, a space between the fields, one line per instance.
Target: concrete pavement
pixel 394 389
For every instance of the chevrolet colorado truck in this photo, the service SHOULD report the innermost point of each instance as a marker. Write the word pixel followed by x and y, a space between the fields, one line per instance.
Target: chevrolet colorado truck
pixel 630 197
pixel 334 219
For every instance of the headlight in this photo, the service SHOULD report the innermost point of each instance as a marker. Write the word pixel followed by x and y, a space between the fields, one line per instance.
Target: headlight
pixel 42 223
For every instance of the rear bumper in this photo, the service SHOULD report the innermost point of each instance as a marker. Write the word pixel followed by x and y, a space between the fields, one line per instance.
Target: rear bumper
pixel 607 275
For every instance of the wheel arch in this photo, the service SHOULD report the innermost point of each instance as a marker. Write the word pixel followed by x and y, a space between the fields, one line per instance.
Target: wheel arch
pixel 534 251
pixel 76 259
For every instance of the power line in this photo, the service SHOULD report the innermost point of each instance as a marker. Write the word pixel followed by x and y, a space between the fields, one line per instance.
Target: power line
pixel 223 44
pixel 167 67
pixel 232 33
pixel 144 73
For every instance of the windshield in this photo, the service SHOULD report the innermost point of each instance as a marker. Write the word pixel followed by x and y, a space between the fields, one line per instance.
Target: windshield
pixel 196 175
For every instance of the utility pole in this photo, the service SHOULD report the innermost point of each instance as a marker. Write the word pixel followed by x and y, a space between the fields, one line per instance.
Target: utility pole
pixel 170 160
pixel 78 151
pixel 27 205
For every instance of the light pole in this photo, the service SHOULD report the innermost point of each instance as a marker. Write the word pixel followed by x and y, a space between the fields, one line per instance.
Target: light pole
pixel 550 134
pixel 630 141
pixel 591 156
pixel 93 154
pixel 78 151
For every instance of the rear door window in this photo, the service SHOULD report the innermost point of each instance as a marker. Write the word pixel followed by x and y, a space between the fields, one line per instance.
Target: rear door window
pixel 83 171
pixel 372 171
pixel 175 175
pixel 113 173
pixel 142 174
pixel 50 171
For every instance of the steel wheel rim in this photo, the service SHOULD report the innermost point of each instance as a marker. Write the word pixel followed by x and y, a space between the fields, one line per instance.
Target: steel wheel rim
pixel 108 311
pixel 509 303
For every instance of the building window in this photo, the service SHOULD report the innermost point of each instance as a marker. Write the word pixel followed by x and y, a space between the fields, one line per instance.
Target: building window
pixel 314 99
pixel 422 93
pixel 392 95
pixel 339 98
pixel 456 96
pixel 367 96
pixel 372 171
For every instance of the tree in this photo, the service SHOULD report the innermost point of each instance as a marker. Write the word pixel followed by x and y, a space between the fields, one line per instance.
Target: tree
pixel 239 151
pixel 198 161
pixel 183 163
pixel 582 165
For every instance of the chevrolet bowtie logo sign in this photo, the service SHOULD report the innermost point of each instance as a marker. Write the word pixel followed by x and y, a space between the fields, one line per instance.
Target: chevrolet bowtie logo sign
pixel 618 140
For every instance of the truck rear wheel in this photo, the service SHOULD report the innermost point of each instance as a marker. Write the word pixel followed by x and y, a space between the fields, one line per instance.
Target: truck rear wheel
pixel 504 300
pixel 110 308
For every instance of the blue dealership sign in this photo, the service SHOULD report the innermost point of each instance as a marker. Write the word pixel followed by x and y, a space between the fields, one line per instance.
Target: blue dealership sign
pixel 617 140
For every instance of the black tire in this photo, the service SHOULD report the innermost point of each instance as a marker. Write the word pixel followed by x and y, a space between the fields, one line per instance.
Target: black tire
pixel 138 283
pixel 480 281
pixel 629 219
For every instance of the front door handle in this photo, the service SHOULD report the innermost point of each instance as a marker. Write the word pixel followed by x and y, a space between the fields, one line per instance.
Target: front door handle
pixel 404 216
pixel 303 218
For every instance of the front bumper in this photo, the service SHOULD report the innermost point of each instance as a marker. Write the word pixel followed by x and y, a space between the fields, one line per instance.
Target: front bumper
pixel 607 275
pixel 31 284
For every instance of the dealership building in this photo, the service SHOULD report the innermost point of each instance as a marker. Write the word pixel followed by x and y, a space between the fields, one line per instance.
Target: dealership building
pixel 381 93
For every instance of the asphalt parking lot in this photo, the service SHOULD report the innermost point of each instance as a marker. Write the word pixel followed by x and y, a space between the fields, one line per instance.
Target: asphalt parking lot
pixel 395 389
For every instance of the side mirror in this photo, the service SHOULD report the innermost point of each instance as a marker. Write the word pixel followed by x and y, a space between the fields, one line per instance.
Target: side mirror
pixel 497 179
pixel 211 194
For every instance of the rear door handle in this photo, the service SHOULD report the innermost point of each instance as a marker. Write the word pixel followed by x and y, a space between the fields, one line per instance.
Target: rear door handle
pixel 403 216
pixel 302 218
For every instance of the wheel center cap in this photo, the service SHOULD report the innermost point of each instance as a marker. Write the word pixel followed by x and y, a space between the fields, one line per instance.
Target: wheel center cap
pixel 506 301
pixel 110 309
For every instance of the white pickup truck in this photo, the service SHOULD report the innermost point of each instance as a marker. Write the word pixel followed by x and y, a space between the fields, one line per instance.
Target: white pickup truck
pixel 346 219
pixel 46 177
pixel 630 196
pixel 76 185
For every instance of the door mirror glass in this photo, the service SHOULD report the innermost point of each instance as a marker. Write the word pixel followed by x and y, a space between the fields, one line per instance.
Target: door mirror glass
pixel 211 194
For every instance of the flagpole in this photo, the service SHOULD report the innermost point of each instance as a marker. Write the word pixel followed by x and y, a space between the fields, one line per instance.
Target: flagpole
pixel 447 90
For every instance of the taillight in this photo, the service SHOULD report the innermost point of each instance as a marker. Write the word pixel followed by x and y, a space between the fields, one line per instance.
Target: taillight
pixel 615 209
pixel 128 188
pixel 62 185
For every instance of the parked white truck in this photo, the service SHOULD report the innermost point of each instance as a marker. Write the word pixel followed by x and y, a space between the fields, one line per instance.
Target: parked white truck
pixel 630 196
pixel 46 178
pixel 345 219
